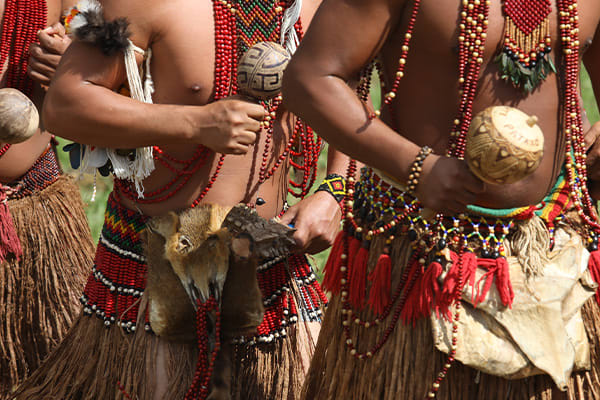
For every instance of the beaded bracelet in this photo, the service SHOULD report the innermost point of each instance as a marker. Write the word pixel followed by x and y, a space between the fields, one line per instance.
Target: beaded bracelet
pixel 335 185
pixel 416 167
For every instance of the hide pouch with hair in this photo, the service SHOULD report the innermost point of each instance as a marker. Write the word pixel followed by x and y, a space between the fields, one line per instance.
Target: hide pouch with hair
pixel 210 252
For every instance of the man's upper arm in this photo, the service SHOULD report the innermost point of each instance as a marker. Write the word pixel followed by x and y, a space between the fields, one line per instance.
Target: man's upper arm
pixel 346 34
pixel 86 63
pixel 591 60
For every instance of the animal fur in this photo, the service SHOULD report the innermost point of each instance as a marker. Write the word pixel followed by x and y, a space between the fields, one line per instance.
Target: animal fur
pixel 91 27
pixel 210 250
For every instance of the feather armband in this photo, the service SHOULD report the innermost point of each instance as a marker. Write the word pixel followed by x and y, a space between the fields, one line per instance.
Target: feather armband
pixel 87 23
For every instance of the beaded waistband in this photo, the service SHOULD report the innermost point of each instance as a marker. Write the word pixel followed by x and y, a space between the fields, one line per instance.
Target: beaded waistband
pixel 44 172
pixel 382 209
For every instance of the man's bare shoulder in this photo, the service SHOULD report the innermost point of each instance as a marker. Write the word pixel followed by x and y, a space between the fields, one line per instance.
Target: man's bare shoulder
pixel 142 16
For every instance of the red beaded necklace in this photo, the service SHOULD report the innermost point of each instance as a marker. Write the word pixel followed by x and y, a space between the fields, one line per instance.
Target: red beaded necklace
pixel 473 33
pixel 239 25
pixel 21 22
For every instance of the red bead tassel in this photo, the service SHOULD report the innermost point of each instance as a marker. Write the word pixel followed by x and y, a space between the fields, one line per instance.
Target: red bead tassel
pixel 594 267
pixel 410 310
pixel 498 269
pixel 332 273
pixel 430 289
pixel 358 277
pixel 9 241
pixel 353 246
pixel 380 294
pixel 469 267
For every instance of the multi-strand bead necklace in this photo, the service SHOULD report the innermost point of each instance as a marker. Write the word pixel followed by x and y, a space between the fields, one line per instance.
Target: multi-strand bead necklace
pixel 460 232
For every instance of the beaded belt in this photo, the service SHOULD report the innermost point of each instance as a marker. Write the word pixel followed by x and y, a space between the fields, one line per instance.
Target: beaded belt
pixel 382 209
pixel 44 172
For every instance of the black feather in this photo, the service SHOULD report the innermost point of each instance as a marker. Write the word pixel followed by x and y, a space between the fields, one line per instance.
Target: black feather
pixel 110 36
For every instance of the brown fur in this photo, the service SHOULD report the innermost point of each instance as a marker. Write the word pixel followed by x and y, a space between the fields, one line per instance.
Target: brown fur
pixel 203 250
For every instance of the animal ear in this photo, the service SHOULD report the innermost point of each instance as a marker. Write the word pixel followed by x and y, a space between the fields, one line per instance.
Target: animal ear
pixel 166 225
pixel 184 244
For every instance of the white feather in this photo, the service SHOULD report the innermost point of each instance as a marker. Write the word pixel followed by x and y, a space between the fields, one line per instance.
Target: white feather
pixel 289 38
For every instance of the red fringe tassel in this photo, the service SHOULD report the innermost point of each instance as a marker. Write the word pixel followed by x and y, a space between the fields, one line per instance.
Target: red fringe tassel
pixel 594 267
pixel 9 241
pixel 380 294
pixel 332 274
pixel 498 269
pixel 451 281
pixel 410 312
pixel 358 278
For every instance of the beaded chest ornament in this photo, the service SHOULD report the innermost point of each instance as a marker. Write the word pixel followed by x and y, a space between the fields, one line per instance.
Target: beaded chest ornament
pixel 524 59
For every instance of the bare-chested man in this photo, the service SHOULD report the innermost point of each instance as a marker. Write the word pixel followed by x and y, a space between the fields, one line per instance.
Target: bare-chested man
pixel 189 72
pixel 40 289
pixel 441 55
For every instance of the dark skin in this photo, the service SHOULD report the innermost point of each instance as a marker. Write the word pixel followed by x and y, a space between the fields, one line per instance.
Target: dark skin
pixel 82 106
pixel 427 101
pixel 45 56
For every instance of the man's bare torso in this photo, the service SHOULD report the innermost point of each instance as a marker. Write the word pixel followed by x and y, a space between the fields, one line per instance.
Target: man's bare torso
pixel 427 100
pixel 183 61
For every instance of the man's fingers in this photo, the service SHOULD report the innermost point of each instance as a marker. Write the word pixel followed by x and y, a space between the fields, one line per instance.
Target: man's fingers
pixel 255 111
pixel 473 184
pixel 37 52
pixel 38 77
pixel 247 138
pixel 51 43
pixel 591 135
pixel 253 126
pixel 42 68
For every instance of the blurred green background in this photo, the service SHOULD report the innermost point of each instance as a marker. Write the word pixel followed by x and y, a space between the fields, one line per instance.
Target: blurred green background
pixel 95 209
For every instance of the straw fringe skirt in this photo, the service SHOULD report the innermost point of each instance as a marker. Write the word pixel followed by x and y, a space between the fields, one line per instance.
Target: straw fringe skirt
pixel 98 363
pixel 408 363
pixel 39 294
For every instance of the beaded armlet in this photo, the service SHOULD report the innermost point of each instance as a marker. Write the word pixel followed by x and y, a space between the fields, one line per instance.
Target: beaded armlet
pixel 335 185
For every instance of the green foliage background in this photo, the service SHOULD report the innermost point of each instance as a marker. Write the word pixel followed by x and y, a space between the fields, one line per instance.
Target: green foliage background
pixel 95 209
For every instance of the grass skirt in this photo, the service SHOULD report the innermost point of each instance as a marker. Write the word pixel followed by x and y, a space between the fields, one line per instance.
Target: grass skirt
pixel 104 358
pixel 98 363
pixel 39 293
pixel 408 363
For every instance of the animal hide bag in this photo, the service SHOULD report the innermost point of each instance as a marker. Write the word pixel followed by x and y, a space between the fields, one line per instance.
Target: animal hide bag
pixel 209 250
pixel 543 332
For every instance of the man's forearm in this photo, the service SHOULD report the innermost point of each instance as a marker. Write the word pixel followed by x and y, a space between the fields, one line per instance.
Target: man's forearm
pixel 345 125
pixel 337 162
pixel 95 115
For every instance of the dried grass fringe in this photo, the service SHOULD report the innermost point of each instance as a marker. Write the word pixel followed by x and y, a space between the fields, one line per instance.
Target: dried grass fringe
pixel 98 363
pixel 273 371
pixel 408 363
pixel 39 294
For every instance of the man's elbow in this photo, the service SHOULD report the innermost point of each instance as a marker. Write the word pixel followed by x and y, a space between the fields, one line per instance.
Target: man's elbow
pixel 55 112
pixel 296 89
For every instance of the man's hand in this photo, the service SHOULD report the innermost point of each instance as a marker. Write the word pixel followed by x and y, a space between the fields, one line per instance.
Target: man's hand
pixel 44 57
pixel 231 126
pixel 317 222
pixel 447 185
pixel 592 142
